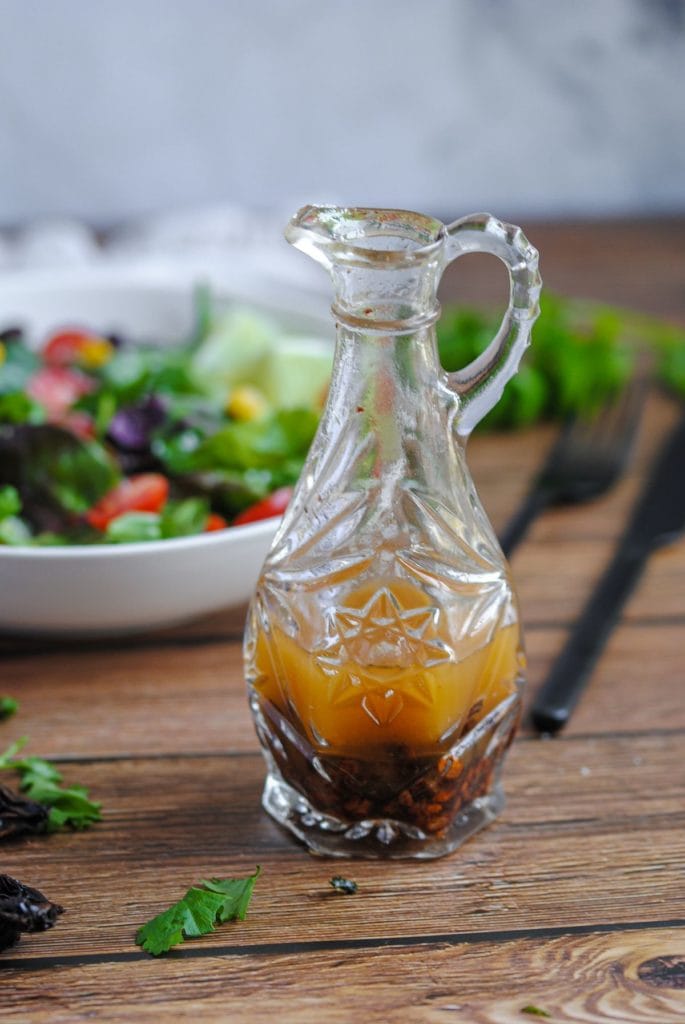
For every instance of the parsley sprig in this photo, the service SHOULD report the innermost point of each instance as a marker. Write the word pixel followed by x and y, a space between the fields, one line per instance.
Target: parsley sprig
pixel 582 354
pixel 212 902
pixel 41 781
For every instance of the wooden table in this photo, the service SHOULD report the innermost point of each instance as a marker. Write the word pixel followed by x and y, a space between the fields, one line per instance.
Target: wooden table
pixel 573 901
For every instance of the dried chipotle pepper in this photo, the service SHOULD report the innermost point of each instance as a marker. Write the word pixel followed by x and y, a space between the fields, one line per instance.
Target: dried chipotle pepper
pixel 19 816
pixel 23 909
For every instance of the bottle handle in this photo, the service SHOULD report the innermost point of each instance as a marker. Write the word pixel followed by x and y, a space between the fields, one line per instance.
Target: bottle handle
pixel 481 383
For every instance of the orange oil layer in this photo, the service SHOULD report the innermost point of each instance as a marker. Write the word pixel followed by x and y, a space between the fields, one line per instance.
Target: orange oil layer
pixel 346 705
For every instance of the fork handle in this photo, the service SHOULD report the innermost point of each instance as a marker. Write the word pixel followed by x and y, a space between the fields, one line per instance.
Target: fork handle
pixel 559 693
pixel 533 504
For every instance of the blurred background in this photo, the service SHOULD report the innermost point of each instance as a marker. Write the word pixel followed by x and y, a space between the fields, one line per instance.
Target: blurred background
pixel 114 110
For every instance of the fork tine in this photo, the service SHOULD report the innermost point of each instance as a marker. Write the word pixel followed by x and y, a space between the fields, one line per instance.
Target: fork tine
pixel 614 417
pixel 584 461
pixel 619 426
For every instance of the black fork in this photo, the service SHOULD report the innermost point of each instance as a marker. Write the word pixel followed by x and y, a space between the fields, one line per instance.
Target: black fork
pixel 587 458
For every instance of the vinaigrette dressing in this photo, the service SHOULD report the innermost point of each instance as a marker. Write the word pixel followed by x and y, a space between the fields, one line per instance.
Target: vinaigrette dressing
pixel 347 702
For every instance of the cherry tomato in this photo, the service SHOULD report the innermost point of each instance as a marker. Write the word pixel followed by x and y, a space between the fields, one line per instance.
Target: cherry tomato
pixel 215 522
pixel 146 492
pixel 57 388
pixel 67 348
pixel 273 505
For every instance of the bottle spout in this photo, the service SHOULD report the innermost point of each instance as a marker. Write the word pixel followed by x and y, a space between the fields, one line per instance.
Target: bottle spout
pixel 359 246
pixel 365 237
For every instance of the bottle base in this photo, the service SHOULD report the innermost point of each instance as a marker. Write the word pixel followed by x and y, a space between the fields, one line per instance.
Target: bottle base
pixel 374 839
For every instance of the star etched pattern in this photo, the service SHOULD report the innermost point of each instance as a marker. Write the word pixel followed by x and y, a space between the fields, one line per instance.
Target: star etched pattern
pixel 376 654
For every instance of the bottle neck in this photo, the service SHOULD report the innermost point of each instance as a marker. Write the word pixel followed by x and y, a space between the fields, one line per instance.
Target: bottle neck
pixel 384 398
pixel 384 372
pixel 389 300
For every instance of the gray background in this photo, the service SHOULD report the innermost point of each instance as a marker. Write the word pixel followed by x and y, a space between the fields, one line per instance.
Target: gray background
pixel 114 108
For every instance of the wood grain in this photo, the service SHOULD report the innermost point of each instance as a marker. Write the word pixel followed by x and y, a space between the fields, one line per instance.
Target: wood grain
pixel 638 265
pixel 182 689
pixel 589 978
pixel 191 699
pixel 585 820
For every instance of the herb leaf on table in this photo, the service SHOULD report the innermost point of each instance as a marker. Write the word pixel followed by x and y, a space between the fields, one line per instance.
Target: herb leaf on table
pixel 212 902
pixel 41 781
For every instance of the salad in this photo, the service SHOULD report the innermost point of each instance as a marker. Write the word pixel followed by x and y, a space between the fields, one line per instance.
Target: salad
pixel 107 441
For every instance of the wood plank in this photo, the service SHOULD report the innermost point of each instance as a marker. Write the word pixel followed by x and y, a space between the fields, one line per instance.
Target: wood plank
pixel 595 978
pixel 592 835
pixel 504 464
pixel 554 579
pixel 139 700
pixel 636 264
pixel 162 700
pixel 637 685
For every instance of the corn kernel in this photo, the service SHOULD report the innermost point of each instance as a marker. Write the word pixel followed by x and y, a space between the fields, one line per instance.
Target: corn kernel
pixel 247 403
pixel 95 352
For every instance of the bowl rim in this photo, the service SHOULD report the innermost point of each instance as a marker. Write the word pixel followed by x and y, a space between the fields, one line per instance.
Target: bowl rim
pixel 90 552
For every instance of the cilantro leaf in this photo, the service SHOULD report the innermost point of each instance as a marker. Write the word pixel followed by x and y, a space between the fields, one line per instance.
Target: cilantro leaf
pixel 236 894
pixel 581 356
pixel 7 758
pixel 217 901
pixel 8 707
pixel 35 772
pixel 70 806
pixel 41 781
pixel 534 1011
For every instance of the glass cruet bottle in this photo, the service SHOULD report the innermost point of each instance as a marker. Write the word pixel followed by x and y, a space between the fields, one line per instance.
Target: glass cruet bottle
pixel 383 652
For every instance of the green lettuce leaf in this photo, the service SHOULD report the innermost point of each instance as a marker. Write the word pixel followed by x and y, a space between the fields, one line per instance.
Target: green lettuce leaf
pixel 133 527
pixel 184 518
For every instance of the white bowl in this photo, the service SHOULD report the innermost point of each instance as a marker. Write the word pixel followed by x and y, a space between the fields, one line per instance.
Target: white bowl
pixel 127 588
